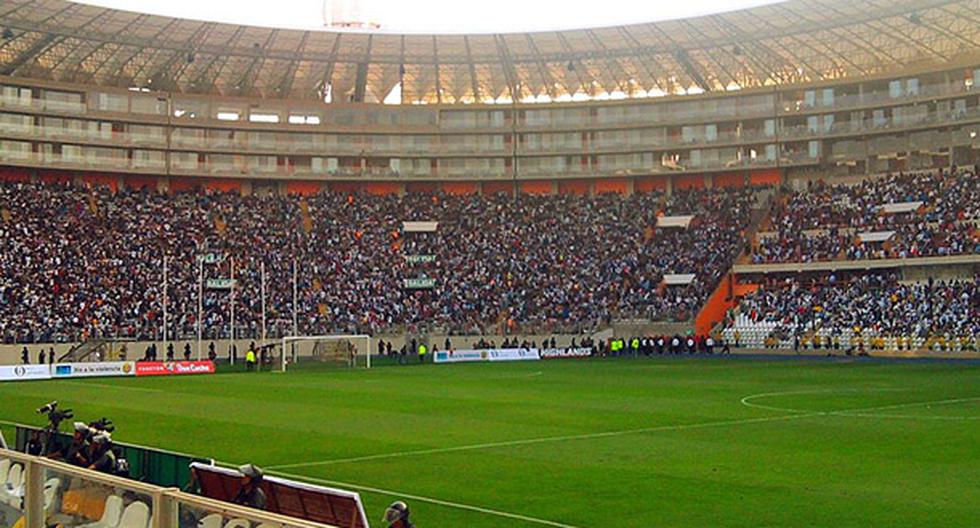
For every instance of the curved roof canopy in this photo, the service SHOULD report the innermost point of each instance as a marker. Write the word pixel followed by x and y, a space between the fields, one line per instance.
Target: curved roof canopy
pixel 785 43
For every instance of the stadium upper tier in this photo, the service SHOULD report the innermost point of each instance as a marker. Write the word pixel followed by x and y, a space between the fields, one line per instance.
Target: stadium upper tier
pixel 840 88
pixel 784 44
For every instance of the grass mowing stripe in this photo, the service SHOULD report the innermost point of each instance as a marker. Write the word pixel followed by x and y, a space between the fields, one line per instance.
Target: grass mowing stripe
pixel 542 440
pixel 798 413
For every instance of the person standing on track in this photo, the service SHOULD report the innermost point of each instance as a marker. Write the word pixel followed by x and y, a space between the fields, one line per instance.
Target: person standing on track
pixel 250 360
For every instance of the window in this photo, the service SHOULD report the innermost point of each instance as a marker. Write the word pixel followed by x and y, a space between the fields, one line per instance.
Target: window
pixel 299 119
pixel 259 118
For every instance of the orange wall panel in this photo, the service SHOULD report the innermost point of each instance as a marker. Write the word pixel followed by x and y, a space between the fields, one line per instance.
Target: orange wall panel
pixel 611 185
pixel 536 187
pixel 729 179
pixel 13 174
pixel 579 187
pixel 647 185
pixel 382 188
pixel 101 180
pixel 689 181
pixel 222 185
pixel 498 187
pixel 303 188
pixel 421 187
pixel 741 290
pixel 140 182
pixel 184 184
pixel 766 177
pixel 460 188
pixel 52 176
pixel 717 305
pixel 344 187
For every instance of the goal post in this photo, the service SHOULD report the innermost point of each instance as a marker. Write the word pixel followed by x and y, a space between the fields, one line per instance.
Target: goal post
pixel 353 351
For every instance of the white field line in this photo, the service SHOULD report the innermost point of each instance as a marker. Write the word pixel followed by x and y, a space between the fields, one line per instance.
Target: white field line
pixel 431 500
pixel 797 413
pixel 864 412
pixel 541 440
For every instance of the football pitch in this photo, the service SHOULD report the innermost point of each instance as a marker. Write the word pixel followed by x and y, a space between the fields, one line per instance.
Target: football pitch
pixel 591 443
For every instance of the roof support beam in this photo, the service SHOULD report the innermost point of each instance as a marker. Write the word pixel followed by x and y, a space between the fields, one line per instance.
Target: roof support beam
pixel 474 82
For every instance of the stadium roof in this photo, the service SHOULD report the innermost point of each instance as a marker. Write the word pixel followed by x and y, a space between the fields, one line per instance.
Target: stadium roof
pixel 792 42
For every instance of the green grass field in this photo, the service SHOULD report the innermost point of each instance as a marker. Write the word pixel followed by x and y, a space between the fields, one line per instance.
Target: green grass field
pixel 602 443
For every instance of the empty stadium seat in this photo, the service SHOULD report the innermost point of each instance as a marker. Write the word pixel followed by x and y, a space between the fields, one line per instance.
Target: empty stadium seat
pixel 110 515
pixel 4 469
pixel 13 487
pixel 210 521
pixel 238 523
pixel 136 515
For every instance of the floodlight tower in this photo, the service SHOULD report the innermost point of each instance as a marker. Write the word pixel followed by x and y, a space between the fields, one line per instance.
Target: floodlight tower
pixel 346 14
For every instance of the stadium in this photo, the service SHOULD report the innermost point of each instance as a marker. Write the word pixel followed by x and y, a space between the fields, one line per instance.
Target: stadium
pixel 718 269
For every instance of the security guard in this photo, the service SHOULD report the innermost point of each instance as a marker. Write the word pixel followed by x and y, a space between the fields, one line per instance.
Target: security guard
pixel 250 360
pixel 100 455
pixel 423 350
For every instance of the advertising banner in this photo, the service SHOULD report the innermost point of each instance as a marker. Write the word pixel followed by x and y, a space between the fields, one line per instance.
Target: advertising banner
pixel 173 368
pixel 24 372
pixel 421 283
pixel 559 353
pixel 514 354
pixel 93 370
pixel 461 356
pixel 498 354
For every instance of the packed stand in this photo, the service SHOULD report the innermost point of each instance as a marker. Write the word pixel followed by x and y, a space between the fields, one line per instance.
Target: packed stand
pixel 78 262
pixel 862 312
pixel 825 221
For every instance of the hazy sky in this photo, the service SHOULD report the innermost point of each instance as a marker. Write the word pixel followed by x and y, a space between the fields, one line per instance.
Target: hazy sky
pixel 438 16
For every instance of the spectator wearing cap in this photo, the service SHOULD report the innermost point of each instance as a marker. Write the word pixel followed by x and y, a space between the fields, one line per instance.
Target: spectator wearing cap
pixel 251 494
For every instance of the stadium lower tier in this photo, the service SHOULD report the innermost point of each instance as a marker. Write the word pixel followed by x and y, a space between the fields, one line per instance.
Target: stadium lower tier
pixel 863 313
pixel 79 262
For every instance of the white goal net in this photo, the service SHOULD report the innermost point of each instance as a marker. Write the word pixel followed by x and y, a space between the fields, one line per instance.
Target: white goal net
pixel 341 351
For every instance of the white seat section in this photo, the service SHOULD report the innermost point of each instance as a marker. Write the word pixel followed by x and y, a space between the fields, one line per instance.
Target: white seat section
pixel 210 521
pixel 110 515
pixel 14 477
pixel 11 492
pixel 238 523
pixel 4 469
pixel 136 515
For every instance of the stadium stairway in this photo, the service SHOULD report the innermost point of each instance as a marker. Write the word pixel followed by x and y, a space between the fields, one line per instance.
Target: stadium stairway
pixel 726 294
pixel 83 350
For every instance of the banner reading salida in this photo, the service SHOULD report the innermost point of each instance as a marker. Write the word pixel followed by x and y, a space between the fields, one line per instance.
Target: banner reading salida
pixel 174 368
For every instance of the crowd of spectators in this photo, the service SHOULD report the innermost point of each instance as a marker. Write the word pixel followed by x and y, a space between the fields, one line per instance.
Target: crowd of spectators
pixel 867 304
pixel 87 262
pixel 824 222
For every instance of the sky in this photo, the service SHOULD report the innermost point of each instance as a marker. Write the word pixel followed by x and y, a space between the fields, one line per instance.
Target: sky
pixel 435 16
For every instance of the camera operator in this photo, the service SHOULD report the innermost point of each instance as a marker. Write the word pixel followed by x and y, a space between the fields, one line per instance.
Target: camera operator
pixel 251 493
pixel 100 455
pixel 74 453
